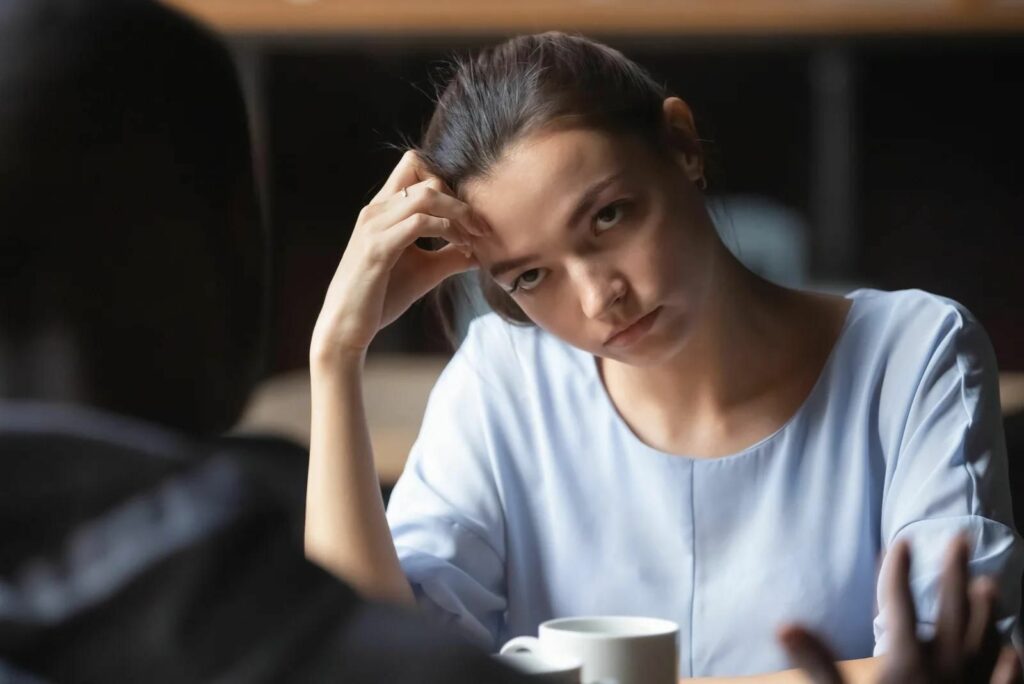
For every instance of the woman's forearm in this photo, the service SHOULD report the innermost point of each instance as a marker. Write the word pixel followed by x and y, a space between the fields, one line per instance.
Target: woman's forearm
pixel 346 529
pixel 861 671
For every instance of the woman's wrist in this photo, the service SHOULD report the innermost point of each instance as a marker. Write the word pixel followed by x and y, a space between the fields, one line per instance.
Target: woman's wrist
pixel 334 361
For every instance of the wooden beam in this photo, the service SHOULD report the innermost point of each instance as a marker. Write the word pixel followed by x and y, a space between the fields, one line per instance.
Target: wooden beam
pixel 663 17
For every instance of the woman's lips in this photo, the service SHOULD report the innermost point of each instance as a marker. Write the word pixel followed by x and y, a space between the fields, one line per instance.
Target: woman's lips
pixel 634 332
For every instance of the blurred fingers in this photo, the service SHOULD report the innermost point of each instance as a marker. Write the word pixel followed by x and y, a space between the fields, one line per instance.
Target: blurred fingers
pixel 900 615
pixel 982 642
pixel 982 597
pixel 954 608
pixel 1008 668
pixel 810 654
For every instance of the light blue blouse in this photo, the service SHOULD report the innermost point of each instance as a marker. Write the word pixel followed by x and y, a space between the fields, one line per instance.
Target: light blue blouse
pixel 526 496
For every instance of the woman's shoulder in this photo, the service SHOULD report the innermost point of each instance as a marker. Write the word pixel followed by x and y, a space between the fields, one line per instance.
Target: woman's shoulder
pixel 901 355
pixel 897 340
pixel 912 320
pixel 915 303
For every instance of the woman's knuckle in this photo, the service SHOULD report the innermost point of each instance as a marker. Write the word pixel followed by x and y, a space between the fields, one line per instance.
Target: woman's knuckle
pixel 418 220
pixel 415 198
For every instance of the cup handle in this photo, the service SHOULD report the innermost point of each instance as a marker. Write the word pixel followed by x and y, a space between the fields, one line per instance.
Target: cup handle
pixel 522 644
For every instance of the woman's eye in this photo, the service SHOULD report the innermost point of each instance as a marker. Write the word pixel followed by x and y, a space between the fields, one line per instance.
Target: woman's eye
pixel 608 217
pixel 528 280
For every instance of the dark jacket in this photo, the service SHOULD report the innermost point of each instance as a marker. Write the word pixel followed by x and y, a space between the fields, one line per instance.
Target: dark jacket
pixel 131 553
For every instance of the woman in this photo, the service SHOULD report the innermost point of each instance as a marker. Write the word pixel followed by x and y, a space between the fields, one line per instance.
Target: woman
pixel 643 426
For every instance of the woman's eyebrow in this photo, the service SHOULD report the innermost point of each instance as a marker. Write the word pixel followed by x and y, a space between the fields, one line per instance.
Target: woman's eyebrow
pixel 582 208
pixel 506 266
pixel 589 197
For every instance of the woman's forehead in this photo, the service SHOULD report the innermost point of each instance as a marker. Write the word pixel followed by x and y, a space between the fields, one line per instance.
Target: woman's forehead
pixel 546 159
pixel 530 195
pixel 540 179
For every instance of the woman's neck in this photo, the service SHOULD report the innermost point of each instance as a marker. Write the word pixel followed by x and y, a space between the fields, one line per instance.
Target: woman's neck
pixel 751 354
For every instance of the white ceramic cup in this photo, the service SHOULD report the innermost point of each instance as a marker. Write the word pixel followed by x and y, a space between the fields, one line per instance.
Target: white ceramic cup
pixel 549 670
pixel 626 650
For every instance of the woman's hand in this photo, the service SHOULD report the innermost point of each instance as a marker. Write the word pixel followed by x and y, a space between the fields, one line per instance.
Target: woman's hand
pixel 966 647
pixel 382 273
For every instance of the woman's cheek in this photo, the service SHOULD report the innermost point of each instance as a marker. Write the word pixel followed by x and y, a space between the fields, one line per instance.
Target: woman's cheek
pixel 534 309
pixel 552 311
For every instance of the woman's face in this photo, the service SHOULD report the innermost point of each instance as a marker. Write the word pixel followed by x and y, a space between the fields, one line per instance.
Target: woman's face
pixel 593 233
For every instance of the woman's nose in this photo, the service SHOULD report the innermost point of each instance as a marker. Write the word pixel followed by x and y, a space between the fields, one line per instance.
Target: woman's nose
pixel 598 292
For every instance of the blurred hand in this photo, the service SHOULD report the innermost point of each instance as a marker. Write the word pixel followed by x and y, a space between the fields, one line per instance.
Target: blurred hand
pixel 382 271
pixel 966 647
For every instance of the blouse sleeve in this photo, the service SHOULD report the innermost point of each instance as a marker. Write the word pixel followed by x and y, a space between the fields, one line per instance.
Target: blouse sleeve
pixel 949 473
pixel 445 513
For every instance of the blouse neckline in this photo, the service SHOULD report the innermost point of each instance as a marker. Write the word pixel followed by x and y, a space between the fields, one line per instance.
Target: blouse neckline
pixel 608 406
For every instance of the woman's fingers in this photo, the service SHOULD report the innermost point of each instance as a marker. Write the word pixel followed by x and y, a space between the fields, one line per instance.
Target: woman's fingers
pixel 982 597
pixel 460 224
pixel 982 641
pixel 431 197
pixel 417 272
pixel 443 264
pixel 810 654
pixel 1008 668
pixel 967 645
pixel 954 608
pixel 408 171
pixel 900 616
pixel 412 189
pixel 410 229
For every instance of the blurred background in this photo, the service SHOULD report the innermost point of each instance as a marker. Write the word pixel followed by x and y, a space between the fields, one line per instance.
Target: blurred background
pixel 851 143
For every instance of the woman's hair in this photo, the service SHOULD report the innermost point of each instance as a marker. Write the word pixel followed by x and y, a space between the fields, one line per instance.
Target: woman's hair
pixel 527 84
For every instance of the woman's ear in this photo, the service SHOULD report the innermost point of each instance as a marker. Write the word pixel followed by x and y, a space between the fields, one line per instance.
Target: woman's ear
pixel 682 133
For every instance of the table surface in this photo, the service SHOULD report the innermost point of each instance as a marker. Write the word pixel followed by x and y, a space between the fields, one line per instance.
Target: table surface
pixel 395 390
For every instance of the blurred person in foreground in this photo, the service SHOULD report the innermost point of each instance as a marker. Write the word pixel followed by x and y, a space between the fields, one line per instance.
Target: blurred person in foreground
pixel 139 544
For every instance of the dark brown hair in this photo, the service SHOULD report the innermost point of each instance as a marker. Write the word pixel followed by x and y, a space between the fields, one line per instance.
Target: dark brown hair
pixel 523 85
